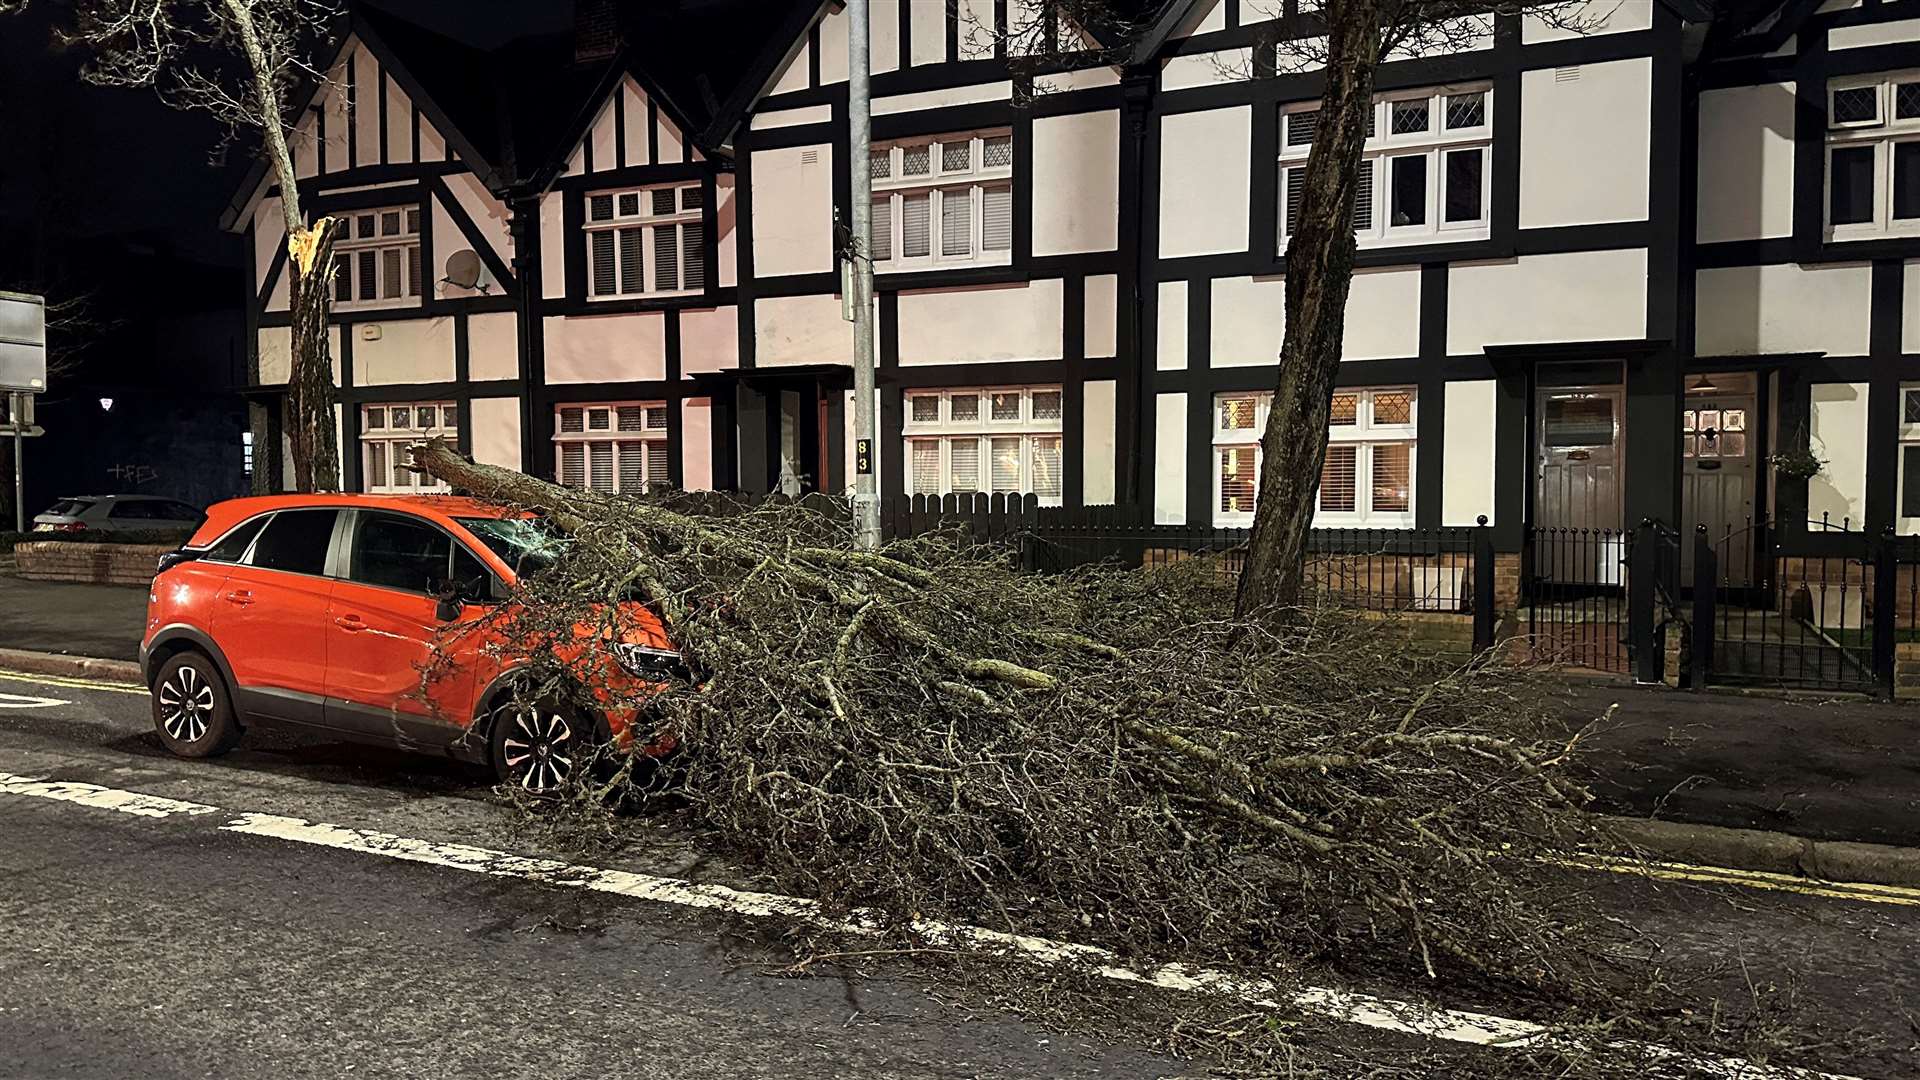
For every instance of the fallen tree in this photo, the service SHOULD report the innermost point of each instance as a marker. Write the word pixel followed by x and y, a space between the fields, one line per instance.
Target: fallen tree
pixel 1108 755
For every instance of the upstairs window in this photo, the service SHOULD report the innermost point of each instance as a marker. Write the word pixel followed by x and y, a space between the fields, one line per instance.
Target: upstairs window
pixel 613 447
pixel 386 433
pixel 377 258
pixel 999 440
pixel 645 242
pixel 1873 157
pixel 1425 173
pixel 1366 479
pixel 943 202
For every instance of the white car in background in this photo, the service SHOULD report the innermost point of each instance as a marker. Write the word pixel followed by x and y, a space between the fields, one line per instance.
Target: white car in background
pixel 118 513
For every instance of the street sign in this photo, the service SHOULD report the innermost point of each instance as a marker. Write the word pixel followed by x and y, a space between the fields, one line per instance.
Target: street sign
pixel 23 342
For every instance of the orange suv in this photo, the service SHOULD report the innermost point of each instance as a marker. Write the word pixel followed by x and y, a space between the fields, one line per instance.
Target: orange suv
pixel 321 611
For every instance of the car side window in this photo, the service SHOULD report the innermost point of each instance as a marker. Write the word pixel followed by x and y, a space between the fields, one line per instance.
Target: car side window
pixel 471 576
pixel 400 553
pixel 234 545
pixel 123 511
pixel 181 512
pixel 295 541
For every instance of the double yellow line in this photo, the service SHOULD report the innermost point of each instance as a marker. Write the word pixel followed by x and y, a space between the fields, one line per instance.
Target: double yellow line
pixel 72 683
pixel 1747 879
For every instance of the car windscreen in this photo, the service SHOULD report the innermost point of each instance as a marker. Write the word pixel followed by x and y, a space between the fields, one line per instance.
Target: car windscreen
pixel 70 507
pixel 529 545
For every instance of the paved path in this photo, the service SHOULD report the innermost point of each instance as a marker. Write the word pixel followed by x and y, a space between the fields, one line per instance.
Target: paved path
pixel 172 946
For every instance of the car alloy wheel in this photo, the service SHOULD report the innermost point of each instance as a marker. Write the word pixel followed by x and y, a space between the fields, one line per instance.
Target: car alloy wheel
pixel 539 749
pixel 186 705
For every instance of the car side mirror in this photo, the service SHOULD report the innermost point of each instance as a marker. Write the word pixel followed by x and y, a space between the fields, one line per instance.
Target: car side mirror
pixel 448 603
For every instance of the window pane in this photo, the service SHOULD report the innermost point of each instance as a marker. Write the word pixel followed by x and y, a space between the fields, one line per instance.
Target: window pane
pixel 915 222
pixel 413 270
pixel 630 204
pixel 296 541
pixel 1046 404
pixel 1906 101
pixel 632 262
pixel 1006 405
pixel 1006 464
pixel 1466 110
pixel 631 418
pixel 1912 399
pixel 1906 180
pixel 376 418
pixel 604 283
pixel 365 229
pixel 368 273
pixel 1851 185
pixel 916 160
pixel 997 151
pixel 882 232
pixel 1337 479
pixel 926 408
pixel 1046 467
pixel 413 221
pixel 1294 178
pixel 956 156
pixel 996 224
pixel 390 284
pixel 376 465
pixel 1410 117
pixel 401 416
pixel 599 419
pixel 657 464
pixel 926 467
pixel 450 416
pixel 1237 479
pixel 400 553
pixel 1463 185
pixel 234 544
pixel 693 258
pixel 666 258
pixel 663 201
pixel 880 164
pixel 1392 478
pixel 390 223
pixel 343 280
pixel 600 208
pixel 691 198
pixel 963 472
pixel 1409 191
pixel 600 466
pixel 1236 413
pixel 1393 407
pixel 633 467
pixel 1301 126
pixel 573 464
pixel 1582 422
pixel 1858 105
pixel 965 408
pixel 956 222
pixel 656 418
pixel 1346 410
pixel 572 420
pixel 424 418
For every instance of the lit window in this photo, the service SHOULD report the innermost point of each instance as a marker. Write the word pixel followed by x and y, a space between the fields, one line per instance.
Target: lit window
pixel 1873 157
pixel 996 440
pixel 612 447
pixel 386 434
pixel 942 202
pixel 377 257
pixel 1424 173
pixel 1909 478
pixel 1365 479
pixel 645 242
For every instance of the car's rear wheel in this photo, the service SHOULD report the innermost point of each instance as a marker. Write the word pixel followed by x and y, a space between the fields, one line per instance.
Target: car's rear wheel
pixel 539 747
pixel 192 712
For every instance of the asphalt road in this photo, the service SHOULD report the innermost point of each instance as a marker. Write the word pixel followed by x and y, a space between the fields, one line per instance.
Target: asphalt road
pixel 163 946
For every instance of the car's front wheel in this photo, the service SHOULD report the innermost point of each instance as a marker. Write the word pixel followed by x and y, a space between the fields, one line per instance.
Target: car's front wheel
pixel 192 712
pixel 539 747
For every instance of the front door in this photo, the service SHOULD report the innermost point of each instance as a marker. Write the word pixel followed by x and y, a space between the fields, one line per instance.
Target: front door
pixel 1717 465
pixel 1578 462
pixel 383 634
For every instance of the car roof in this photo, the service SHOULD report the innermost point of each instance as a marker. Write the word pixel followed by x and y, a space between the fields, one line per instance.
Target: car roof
pixel 442 505
pixel 117 498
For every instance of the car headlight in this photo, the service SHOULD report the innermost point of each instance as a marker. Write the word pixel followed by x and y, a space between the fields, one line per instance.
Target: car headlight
pixel 647 662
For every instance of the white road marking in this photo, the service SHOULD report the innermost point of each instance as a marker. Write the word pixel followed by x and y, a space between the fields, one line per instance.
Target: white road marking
pixel 104 798
pixel 22 701
pixel 1451 1025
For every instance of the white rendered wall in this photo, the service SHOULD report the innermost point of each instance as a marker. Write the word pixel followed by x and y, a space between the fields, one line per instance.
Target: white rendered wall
pixel 496 431
pixel 1745 155
pixel 1204 172
pixel 1838 431
pixel 1745 310
pixel 980 324
pixel 606 348
pixel 1466 490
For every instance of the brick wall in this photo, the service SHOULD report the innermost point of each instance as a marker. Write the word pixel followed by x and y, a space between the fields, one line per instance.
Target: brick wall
pixel 100 564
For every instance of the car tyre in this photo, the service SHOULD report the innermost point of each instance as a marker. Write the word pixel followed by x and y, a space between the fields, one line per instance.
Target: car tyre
pixel 539 747
pixel 192 711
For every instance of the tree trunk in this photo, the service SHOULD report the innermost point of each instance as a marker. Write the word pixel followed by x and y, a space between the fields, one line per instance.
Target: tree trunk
pixel 1319 273
pixel 316 453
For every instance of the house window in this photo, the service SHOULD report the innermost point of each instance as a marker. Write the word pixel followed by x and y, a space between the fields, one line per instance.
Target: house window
pixel 246 453
pixel 942 202
pixel 1425 173
pixel 377 257
pixel 1873 157
pixel 1366 479
pixel 386 431
pixel 997 440
pixel 1909 501
pixel 645 242
pixel 614 447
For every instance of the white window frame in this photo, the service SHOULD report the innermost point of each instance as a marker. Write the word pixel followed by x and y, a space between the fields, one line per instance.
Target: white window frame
pixel 1383 147
pixel 1909 437
pixel 644 219
pixel 1363 434
pixel 946 431
pixel 349 248
pixel 939 184
pixel 652 440
pixel 393 442
pixel 1881 134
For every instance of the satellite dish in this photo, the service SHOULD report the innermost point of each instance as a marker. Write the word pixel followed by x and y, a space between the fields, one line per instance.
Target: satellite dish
pixel 463 269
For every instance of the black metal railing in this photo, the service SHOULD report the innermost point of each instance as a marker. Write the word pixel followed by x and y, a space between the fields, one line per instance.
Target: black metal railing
pixel 1574 588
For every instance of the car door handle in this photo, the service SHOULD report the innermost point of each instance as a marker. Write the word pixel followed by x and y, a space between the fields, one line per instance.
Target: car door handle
pixel 350 623
pixel 240 597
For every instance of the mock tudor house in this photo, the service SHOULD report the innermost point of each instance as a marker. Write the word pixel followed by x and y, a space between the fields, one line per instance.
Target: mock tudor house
pixel 1604 274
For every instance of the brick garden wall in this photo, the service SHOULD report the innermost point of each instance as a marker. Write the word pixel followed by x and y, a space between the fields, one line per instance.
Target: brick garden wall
pixel 100 564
